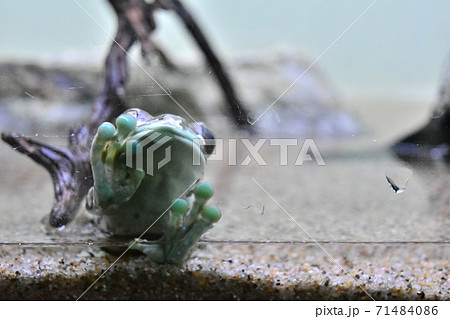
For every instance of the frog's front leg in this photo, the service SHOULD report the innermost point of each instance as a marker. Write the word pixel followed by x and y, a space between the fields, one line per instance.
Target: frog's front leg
pixel 184 228
pixel 114 181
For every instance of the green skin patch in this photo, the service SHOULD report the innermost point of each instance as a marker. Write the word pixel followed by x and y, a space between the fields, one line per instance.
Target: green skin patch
pixel 147 186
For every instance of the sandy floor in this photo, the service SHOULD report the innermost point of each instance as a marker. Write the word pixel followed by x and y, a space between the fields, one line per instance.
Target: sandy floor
pixel 230 272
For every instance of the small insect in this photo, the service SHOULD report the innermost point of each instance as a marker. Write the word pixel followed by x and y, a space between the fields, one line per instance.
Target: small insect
pixel 395 188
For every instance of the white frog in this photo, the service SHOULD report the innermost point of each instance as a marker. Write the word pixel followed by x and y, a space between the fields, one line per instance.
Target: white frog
pixel 147 174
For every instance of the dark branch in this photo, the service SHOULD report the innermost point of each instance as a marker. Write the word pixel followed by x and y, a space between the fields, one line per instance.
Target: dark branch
pixel 62 167
pixel 239 113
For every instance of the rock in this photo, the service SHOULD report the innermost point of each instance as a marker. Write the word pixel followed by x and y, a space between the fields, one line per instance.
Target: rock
pixel 50 99
pixel 431 142
pixel 443 102
pixel 64 85
pixel 291 98
pixel 45 99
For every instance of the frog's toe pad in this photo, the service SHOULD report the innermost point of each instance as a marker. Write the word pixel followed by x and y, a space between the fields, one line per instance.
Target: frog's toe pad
pixel 105 131
pixel 204 191
pixel 211 214
pixel 179 207
pixel 125 124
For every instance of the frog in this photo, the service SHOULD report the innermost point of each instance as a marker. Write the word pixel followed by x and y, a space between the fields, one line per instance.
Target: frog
pixel 147 183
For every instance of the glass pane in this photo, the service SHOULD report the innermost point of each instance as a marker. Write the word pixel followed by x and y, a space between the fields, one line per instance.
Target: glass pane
pixel 332 90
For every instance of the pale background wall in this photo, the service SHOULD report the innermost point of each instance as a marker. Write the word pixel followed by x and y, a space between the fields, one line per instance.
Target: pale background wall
pixel 397 48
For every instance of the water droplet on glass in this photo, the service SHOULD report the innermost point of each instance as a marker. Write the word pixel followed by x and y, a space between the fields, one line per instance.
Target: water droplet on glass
pixel 398 179
pixel 250 119
pixel 276 116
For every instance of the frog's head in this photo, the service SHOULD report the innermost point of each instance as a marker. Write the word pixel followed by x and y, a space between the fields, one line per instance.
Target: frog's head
pixel 174 125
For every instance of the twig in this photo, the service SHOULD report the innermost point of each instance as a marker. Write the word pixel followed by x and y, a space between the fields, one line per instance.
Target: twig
pixel 239 113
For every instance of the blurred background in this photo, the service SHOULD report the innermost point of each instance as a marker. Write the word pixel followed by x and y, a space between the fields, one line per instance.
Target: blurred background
pixel 396 49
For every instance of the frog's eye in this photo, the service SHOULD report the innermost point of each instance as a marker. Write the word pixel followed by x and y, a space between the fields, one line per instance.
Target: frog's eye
pixel 133 112
pixel 140 115
pixel 201 130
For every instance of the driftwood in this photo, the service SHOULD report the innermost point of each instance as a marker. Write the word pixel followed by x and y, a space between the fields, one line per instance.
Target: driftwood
pixel 70 168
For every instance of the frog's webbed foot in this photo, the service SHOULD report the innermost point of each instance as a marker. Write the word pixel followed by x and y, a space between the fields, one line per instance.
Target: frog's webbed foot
pixel 184 228
pixel 114 181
